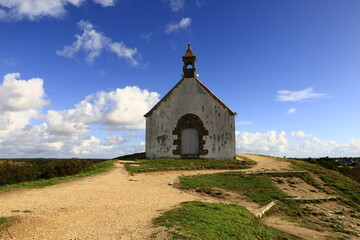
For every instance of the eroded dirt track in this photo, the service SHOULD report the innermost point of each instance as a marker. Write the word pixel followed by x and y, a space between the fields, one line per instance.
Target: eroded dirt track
pixel 112 205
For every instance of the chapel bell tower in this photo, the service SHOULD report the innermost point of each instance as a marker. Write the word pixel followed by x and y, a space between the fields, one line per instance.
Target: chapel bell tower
pixel 189 63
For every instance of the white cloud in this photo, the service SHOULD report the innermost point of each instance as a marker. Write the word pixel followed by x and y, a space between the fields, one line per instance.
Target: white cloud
pixel 176 5
pixel 67 133
pixel 121 109
pixel 291 111
pixel 122 51
pixel 106 3
pixel 244 123
pixel 307 93
pixel 277 144
pixel 35 9
pixel 20 100
pixel 93 43
pixel 182 24
pixel 299 134
pixel 268 142
pixel 21 95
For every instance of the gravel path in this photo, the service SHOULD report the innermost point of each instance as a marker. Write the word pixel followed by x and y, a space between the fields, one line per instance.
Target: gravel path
pixel 112 205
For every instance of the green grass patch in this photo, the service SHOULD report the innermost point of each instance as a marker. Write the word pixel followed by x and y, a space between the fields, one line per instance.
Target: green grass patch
pixel 155 165
pixel 347 188
pixel 247 161
pixel 198 220
pixel 94 169
pixel 3 221
pixel 258 188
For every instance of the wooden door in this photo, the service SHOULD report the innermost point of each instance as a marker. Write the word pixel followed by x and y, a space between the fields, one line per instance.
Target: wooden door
pixel 189 141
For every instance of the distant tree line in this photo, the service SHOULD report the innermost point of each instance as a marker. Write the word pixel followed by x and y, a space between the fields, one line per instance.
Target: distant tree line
pixel 349 166
pixel 24 170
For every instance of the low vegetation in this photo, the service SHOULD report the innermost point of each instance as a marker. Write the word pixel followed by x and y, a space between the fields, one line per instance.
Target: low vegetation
pixel 3 221
pixel 352 171
pixel 59 169
pixel 258 188
pixel 154 165
pixel 12 172
pixel 246 160
pixel 198 220
pixel 348 189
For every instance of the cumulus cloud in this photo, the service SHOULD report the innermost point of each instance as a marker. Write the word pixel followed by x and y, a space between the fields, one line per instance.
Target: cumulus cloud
pixel 21 95
pixel 291 111
pixel 299 134
pixel 93 43
pixel 35 9
pixel 176 5
pixel 20 100
pixel 121 109
pixel 182 24
pixel 268 142
pixel 68 133
pixel 277 144
pixel 294 96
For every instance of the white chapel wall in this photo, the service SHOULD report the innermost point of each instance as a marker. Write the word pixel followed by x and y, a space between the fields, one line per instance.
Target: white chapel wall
pixel 190 97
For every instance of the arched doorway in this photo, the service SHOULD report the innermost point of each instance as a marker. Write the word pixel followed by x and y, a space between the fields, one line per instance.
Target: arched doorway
pixel 190 131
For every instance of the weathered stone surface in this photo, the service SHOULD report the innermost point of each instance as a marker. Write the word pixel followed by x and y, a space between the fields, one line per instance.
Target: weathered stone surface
pixel 190 97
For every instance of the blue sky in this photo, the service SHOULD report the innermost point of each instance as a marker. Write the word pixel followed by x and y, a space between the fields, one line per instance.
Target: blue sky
pixel 76 76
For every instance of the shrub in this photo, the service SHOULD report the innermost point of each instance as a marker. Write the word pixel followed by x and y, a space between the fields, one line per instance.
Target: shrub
pixel 17 172
pixel 11 173
pixel 64 167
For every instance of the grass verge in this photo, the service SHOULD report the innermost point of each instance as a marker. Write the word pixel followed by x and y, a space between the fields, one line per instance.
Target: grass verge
pixel 247 161
pixel 258 188
pixel 198 220
pixel 3 221
pixel 94 169
pixel 166 164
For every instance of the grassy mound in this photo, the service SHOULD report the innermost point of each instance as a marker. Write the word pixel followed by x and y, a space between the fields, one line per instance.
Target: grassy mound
pixel 198 220
pixel 258 188
pixel 155 165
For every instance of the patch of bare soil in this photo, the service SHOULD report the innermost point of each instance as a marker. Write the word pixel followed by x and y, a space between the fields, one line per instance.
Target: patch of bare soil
pixel 268 163
pixel 334 215
pixel 279 222
pixel 296 187
pixel 324 219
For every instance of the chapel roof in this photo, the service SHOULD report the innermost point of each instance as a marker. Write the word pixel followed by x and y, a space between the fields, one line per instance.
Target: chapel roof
pixel 164 99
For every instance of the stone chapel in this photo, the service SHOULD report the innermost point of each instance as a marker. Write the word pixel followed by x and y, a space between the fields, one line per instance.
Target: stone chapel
pixel 190 121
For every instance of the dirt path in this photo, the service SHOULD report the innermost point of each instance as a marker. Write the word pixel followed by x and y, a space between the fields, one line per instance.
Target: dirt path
pixel 112 205
pixel 268 163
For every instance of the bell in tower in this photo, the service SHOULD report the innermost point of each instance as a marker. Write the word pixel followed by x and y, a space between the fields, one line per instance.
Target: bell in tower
pixel 189 63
